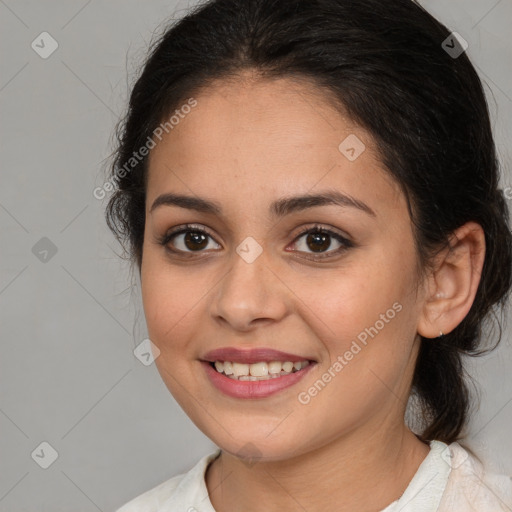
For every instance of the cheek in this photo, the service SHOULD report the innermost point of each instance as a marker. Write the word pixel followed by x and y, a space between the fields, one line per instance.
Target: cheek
pixel 365 315
pixel 345 303
pixel 168 298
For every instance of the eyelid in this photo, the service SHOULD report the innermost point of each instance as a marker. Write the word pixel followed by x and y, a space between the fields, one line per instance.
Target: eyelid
pixel 315 226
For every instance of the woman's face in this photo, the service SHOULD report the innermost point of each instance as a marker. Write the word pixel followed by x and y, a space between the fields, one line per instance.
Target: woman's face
pixel 256 281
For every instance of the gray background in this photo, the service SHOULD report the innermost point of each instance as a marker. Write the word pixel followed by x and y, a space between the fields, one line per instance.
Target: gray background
pixel 70 320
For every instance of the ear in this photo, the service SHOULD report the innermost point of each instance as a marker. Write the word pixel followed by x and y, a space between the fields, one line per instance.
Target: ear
pixel 452 285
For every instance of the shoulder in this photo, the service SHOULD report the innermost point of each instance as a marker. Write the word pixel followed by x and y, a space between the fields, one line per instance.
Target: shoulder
pixel 471 486
pixel 175 492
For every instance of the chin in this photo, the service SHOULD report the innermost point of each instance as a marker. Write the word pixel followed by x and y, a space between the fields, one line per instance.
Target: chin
pixel 259 447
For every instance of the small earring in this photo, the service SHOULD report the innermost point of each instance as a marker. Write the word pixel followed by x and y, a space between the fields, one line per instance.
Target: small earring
pixel 440 334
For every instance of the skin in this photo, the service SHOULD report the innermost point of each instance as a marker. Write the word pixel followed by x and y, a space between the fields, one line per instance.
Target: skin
pixel 246 144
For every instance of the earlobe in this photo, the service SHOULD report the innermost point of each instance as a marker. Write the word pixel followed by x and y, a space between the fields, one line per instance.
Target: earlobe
pixel 453 284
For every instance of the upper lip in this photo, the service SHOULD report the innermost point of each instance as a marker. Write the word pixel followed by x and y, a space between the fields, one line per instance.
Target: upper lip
pixel 252 355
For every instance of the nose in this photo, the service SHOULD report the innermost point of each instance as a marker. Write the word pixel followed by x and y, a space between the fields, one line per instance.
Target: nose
pixel 249 294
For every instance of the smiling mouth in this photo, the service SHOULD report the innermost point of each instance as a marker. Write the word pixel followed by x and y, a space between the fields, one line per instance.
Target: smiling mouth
pixel 261 370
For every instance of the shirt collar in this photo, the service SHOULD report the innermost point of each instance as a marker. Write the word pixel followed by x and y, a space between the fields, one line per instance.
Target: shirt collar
pixel 191 494
pixel 425 490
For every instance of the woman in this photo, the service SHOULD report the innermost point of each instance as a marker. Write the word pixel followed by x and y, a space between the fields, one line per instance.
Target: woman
pixel 309 191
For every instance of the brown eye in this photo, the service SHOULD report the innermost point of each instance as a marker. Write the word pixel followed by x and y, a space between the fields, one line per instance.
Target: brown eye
pixel 319 240
pixel 195 240
pixel 188 239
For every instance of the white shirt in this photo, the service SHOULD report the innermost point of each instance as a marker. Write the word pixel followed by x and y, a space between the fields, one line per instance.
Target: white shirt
pixel 448 480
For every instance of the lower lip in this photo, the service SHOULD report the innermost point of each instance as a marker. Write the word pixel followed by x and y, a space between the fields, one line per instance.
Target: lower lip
pixel 253 388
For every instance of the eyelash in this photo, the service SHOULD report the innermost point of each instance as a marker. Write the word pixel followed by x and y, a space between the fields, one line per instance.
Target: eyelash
pixel 346 244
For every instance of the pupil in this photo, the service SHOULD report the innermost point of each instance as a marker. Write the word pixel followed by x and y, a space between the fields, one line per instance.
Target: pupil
pixel 316 238
pixel 195 238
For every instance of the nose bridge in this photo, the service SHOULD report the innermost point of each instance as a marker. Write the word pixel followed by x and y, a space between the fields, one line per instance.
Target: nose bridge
pixel 249 290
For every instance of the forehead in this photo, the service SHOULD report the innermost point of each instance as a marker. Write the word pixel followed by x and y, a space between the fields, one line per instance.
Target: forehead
pixel 253 137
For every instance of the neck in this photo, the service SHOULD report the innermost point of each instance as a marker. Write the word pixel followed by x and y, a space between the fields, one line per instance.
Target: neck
pixel 362 471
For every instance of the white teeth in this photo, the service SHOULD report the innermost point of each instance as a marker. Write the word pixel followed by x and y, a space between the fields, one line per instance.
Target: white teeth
pixel 288 366
pixel 258 371
pixel 274 367
pixel 240 369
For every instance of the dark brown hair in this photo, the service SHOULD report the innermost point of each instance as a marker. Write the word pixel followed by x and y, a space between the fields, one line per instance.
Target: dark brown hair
pixel 387 64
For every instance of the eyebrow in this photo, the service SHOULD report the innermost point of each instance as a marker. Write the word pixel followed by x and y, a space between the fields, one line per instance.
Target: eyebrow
pixel 279 208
